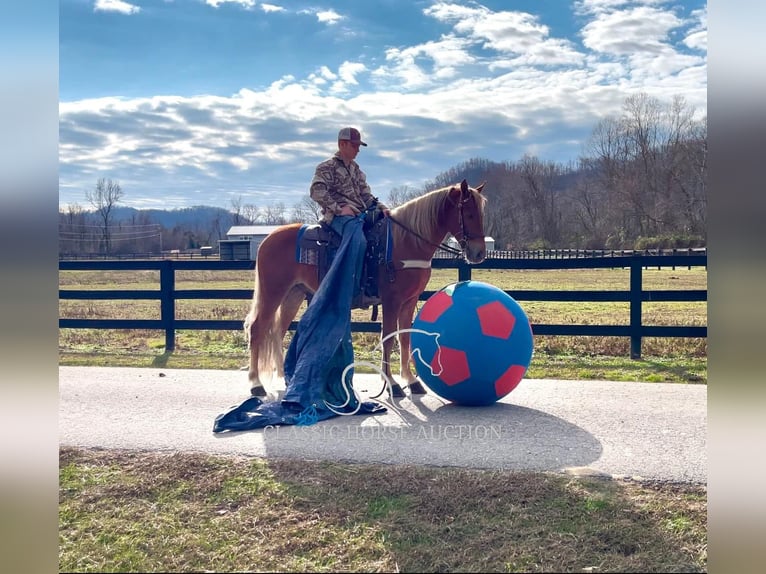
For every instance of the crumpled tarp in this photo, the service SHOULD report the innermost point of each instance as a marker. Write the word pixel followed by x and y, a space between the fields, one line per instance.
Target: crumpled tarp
pixel 320 350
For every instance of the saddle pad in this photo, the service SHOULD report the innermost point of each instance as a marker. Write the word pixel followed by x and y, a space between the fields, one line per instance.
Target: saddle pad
pixel 311 239
pixel 315 237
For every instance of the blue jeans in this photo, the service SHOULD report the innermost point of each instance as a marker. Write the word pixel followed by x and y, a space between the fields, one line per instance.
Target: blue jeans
pixel 359 243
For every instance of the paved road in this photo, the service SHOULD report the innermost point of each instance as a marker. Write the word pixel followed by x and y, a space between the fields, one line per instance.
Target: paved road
pixel 648 431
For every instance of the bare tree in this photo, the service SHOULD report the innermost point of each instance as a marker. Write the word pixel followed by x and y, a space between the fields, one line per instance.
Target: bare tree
pixel 651 167
pixel 103 199
pixel 402 194
pixel 505 217
pixel 250 213
pixel 541 199
pixel 215 232
pixel 73 233
pixel 274 214
pixel 306 211
pixel 590 204
pixel 692 179
pixel 236 210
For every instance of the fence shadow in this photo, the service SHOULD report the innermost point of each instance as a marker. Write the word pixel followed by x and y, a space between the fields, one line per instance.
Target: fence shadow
pixel 162 360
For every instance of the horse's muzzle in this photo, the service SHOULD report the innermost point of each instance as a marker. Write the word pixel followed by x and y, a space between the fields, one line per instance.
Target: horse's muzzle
pixel 475 252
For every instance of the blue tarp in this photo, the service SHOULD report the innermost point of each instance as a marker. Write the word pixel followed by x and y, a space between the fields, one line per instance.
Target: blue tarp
pixel 320 350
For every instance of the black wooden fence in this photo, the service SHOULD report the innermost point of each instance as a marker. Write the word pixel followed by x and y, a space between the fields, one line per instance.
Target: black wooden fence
pixel 168 295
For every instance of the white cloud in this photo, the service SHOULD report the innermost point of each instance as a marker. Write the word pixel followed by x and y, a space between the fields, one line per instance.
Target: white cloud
pixel 322 76
pixel 217 3
pixel 271 8
pixel 642 36
pixel 328 17
pixel 599 6
pixel 115 6
pixel 347 73
pixel 697 36
pixel 627 32
pixel 519 35
pixel 493 85
pixel 425 64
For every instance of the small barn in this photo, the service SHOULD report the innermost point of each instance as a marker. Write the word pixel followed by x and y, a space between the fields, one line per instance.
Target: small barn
pixel 242 241
pixel 489 242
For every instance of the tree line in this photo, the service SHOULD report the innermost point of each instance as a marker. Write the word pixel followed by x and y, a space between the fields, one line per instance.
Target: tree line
pixel 640 183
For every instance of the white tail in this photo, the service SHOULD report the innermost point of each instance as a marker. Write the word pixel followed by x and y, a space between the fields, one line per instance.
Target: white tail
pixel 264 336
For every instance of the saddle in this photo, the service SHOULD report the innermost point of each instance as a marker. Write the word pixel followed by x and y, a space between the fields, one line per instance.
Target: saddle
pixel 318 243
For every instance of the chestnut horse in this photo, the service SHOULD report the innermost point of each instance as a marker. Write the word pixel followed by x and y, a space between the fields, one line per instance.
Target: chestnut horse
pixel 418 228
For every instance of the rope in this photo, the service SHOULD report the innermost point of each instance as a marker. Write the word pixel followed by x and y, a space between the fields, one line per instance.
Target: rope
pixel 307 416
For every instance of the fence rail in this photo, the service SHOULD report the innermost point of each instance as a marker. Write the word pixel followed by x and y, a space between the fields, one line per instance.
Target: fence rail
pixel 492 254
pixel 168 294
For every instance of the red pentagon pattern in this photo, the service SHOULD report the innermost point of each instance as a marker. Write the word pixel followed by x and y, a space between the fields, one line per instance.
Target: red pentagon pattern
pixel 450 365
pixel 509 379
pixel 496 320
pixel 436 305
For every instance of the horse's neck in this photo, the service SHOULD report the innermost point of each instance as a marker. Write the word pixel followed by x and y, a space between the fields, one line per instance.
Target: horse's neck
pixel 423 247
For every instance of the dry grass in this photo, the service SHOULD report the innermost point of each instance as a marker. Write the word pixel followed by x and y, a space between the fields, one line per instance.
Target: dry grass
pixel 149 512
pixel 154 512
pixel 663 359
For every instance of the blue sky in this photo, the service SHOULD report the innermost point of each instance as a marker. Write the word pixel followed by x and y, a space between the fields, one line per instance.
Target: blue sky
pixel 202 102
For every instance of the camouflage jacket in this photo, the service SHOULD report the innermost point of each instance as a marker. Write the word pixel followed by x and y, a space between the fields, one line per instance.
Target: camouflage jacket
pixel 335 185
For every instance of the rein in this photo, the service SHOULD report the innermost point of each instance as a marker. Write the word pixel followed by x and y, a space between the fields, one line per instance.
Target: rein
pixel 443 246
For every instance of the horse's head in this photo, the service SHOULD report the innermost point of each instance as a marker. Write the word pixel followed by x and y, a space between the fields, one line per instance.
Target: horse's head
pixel 467 223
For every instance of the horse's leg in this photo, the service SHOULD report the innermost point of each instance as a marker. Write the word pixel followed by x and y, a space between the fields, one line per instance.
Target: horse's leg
pixel 406 314
pixel 388 327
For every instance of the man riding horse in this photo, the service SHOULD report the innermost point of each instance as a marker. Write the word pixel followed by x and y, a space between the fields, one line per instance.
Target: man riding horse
pixel 288 270
pixel 341 190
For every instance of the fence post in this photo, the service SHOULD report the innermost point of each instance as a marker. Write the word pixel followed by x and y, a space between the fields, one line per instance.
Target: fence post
pixel 463 271
pixel 636 280
pixel 167 302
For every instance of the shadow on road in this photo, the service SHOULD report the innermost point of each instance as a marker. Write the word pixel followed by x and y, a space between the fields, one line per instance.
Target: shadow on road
pixel 430 431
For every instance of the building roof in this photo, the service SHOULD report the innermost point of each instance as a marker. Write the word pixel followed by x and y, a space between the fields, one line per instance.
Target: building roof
pixel 252 230
pixel 487 239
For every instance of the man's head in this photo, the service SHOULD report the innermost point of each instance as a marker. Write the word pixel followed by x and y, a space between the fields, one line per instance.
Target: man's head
pixel 349 140
pixel 351 135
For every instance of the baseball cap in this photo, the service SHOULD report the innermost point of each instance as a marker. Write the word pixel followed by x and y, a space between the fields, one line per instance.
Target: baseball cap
pixel 352 135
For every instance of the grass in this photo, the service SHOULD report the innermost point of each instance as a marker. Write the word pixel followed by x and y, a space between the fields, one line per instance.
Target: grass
pixel 679 360
pixel 164 512
pixel 152 512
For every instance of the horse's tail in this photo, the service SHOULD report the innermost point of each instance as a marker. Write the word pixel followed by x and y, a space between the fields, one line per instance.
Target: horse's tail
pixel 263 336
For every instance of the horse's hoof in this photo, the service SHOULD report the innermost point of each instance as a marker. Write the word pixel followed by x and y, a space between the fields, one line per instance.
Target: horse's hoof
pixel 258 392
pixel 417 388
pixel 396 391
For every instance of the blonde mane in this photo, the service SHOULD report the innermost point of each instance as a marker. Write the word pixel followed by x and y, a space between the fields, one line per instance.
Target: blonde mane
pixel 420 214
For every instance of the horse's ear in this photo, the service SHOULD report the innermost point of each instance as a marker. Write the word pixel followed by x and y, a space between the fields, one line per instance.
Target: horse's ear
pixel 464 187
pixel 481 187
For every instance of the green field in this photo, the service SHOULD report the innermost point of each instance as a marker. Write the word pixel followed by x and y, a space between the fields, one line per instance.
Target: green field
pixel 663 359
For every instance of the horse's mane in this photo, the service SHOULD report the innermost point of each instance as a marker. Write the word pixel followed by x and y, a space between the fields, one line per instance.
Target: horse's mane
pixel 421 213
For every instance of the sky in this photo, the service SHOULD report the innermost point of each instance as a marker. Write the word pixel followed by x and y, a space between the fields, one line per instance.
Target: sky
pixel 211 102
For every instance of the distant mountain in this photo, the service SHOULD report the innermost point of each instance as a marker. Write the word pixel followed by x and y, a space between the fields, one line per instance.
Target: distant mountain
pixel 200 215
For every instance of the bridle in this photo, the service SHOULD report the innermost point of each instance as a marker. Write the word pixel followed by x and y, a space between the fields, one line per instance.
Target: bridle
pixel 464 236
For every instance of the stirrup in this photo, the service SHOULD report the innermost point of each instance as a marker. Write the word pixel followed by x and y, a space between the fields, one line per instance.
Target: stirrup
pixel 364 301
